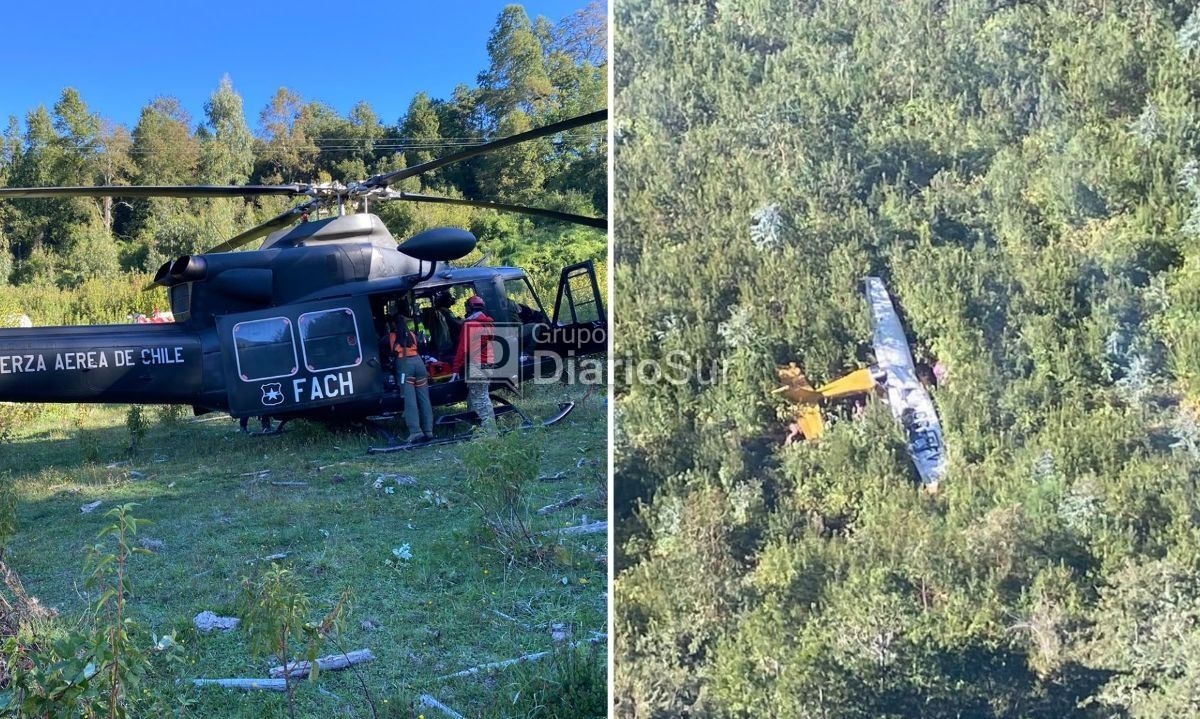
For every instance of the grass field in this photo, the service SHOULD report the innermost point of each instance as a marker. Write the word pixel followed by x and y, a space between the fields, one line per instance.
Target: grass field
pixel 458 602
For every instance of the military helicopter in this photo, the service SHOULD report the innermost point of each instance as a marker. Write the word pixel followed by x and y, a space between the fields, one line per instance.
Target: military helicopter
pixel 292 329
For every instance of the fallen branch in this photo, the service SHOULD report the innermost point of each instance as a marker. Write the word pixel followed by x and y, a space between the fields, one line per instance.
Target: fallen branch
pixel 430 703
pixel 255 474
pixel 269 558
pixel 289 484
pixel 266 685
pixel 325 664
pixel 553 477
pixel 571 502
pixel 516 621
pixel 211 418
pixel 595 638
pixel 593 528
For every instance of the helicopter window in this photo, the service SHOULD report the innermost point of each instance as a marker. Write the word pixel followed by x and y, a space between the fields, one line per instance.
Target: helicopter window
pixel 523 303
pixel 330 340
pixel 577 303
pixel 265 349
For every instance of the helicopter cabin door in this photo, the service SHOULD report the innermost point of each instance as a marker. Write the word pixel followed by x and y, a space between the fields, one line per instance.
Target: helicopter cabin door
pixel 580 322
pixel 300 357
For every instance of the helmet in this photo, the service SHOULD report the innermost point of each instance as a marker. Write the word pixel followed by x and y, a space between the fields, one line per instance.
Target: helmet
pixel 475 302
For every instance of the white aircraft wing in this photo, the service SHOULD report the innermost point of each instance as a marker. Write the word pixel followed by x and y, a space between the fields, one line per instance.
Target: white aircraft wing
pixel 910 403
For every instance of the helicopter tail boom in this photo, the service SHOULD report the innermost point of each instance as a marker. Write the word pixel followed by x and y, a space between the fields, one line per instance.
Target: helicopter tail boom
pixel 148 364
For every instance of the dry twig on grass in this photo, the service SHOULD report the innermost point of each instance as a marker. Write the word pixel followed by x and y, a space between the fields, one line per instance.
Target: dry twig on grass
pixel 266 685
pixel 569 502
pixel 594 639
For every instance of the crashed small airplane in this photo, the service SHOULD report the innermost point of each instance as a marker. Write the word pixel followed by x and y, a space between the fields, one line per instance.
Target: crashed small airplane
pixel 894 373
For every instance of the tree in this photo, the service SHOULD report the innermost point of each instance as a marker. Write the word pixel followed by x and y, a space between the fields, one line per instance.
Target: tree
pixel 78 131
pixel 516 78
pixel 164 149
pixel 583 35
pixel 422 129
pixel 515 174
pixel 115 165
pixel 227 153
pixel 287 152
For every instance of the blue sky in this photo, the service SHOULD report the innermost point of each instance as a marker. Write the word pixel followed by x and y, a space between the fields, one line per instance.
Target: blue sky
pixel 121 55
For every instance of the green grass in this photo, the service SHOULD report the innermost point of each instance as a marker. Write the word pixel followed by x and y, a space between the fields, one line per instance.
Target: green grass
pixel 436 614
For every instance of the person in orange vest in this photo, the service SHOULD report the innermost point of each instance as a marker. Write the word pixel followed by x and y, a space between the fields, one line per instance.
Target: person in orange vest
pixel 474 348
pixel 413 380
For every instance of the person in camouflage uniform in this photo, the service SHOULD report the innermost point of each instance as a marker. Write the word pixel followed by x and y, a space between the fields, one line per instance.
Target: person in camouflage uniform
pixel 474 349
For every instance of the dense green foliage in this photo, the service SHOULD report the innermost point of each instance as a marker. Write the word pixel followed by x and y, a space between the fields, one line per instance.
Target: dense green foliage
pixel 1026 178
pixel 539 72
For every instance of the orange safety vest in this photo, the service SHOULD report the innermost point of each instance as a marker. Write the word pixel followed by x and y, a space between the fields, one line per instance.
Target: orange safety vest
pixel 401 351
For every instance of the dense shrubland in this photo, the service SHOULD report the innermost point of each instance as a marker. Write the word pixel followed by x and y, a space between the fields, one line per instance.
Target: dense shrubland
pixel 1026 178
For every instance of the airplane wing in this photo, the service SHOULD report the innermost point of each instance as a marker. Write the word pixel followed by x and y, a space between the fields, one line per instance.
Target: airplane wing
pixel 910 403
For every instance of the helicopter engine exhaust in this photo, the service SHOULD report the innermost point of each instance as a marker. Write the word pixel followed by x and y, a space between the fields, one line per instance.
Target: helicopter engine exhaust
pixel 151 363
pixel 188 268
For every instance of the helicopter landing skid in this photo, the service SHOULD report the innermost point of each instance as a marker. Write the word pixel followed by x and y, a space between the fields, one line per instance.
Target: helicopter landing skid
pixel 500 407
pixel 274 430
pixel 564 408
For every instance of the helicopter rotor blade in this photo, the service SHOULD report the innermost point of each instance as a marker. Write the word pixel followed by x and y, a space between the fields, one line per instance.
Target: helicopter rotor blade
pixel 277 222
pixel 157 191
pixel 597 222
pixel 395 176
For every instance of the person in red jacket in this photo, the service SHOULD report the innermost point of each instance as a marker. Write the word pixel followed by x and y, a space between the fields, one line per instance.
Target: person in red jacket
pixel 474 349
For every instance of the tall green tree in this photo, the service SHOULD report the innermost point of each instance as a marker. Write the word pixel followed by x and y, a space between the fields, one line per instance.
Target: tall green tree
pixel 164 148
pixel 287 153
pixel 227 148
pixel 114 165
pixel 516 78
pixel 422 128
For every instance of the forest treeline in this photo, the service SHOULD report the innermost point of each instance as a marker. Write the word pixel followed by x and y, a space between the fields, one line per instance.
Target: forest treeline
pixel 1025 176
pixel 539 72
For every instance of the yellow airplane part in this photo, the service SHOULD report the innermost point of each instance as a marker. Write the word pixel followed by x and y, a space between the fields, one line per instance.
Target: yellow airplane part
pixel 797 388
pixel 809 421
pixel 857 382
